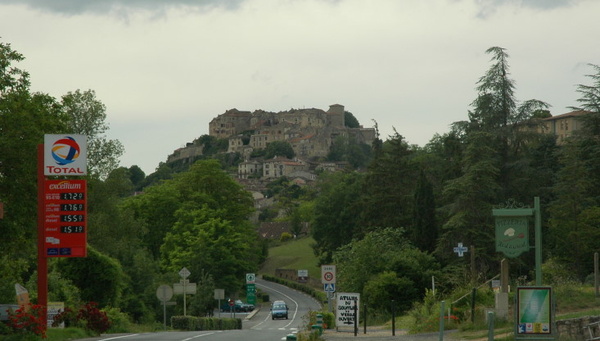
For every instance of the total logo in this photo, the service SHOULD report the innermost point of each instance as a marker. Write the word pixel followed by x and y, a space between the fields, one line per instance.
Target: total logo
pixel 65 151
pixel 65 155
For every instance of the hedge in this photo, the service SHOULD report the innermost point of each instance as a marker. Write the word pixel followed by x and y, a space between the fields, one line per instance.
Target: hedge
pixel 205 323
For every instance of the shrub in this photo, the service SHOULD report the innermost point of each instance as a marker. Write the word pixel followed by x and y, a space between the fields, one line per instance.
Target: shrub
pixel 119 321
pixel 4 328
pixel 328 319
pixel 205 323
pixel 95 320
pixel 285 236
pixel 68 316
pixel 89 317
pixel 28 319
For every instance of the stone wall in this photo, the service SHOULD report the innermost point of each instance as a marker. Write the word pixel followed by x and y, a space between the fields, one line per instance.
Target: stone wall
pixel 575 329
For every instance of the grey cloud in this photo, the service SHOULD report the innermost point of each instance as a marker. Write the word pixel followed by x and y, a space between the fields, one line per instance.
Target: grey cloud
pixel 75 7
pixel 488 7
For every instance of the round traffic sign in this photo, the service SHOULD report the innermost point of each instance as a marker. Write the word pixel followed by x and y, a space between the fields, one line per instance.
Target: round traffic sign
pixel 164 293
pixel 328 276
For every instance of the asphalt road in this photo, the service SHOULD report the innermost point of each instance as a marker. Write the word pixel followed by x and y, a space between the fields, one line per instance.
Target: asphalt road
pixel 256 326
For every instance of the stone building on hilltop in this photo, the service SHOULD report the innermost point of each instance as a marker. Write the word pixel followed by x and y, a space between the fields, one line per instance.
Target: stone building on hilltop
pixel 310 132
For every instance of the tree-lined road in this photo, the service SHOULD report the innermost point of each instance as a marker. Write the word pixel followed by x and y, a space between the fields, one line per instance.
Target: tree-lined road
pixel 257 326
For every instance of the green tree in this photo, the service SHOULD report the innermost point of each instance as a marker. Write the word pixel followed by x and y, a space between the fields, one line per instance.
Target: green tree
pixel 12 79
pixel 346 148
pixel 387 288
pixel 137 176
pixel 99 278
pixel 511 127
pixel 155 208
pixel 336 210
pixel 279 148
pixel 573 231
pixel 87 116
pixel 204 242
pixel 350 121
pixel 24 119
pixel 424 228
pixel 203 302
pixel 389 186
pixel 590 94
pixel 569 234
pixel 470 199
pixel 211 232
pixel 384 265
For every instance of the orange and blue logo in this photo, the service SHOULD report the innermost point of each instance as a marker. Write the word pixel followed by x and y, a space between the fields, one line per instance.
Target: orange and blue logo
pixel 65 151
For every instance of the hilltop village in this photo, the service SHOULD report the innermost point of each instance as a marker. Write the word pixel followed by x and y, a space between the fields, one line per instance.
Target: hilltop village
pixel 310 132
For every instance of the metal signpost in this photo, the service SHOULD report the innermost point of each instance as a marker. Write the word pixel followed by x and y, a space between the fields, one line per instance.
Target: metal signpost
pixel 164 294
pixel 251 288
pixel 184 287
pixel 219 295
pixel 328 279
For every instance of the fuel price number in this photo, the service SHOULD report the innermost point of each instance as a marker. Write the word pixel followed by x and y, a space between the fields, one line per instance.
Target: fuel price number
pixel 66 226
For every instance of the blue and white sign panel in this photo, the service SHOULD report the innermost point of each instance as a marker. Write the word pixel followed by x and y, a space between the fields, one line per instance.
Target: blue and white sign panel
pixel 329 287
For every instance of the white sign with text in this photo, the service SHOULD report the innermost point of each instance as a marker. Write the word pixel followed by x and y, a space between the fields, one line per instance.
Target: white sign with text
pixel 345 309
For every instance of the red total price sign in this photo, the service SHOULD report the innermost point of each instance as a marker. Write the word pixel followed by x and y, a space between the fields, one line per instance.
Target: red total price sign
pixel 65 218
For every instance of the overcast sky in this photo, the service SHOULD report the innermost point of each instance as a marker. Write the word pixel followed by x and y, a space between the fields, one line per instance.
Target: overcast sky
pixel 165 68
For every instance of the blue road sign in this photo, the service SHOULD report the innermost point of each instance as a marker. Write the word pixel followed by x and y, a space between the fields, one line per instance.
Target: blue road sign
pixel 329 287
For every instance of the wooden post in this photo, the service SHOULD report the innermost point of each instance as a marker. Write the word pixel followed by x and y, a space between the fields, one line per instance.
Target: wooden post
pixel 504 275
pixel 473 272
pixel 596 274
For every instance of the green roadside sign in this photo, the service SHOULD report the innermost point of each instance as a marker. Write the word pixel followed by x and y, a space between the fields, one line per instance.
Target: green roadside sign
pixel 251 293
pixel 512 235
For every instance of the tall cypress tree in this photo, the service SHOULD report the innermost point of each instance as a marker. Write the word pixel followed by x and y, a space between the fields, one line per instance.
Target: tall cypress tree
pixel 424 228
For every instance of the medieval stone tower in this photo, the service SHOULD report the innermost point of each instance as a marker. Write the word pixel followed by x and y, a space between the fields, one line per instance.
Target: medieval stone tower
pixel 335 116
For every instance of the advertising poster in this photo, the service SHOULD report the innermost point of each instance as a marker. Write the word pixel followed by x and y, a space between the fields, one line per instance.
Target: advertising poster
pixel 534 311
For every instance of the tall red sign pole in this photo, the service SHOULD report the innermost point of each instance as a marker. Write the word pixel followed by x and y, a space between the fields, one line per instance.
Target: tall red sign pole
pixel 62 221
pixel 42 260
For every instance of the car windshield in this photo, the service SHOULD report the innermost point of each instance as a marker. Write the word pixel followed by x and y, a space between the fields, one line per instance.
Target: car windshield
pixel 279 307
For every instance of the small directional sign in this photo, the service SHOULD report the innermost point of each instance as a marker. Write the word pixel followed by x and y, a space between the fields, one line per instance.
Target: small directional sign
pixel 329 287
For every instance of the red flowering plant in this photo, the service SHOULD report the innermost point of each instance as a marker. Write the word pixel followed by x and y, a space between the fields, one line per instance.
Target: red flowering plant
pixel 95 320
pixel 27 319
pixel 88 317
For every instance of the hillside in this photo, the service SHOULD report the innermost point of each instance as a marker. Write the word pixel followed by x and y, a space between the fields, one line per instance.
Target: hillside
pixel 293 254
